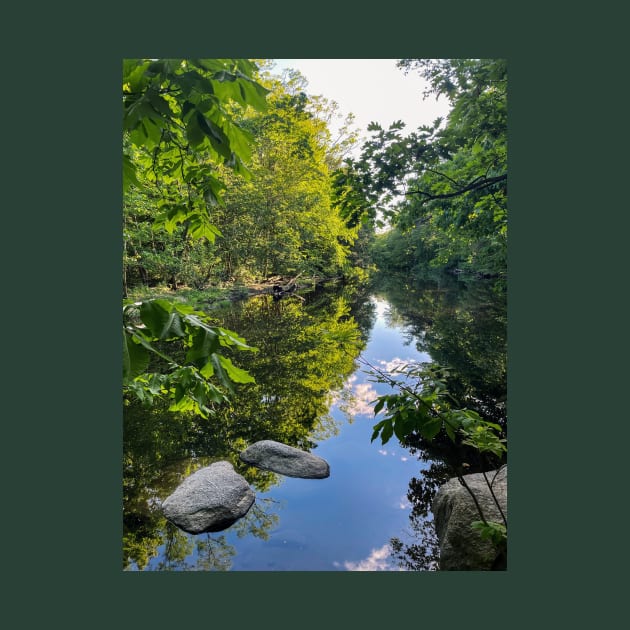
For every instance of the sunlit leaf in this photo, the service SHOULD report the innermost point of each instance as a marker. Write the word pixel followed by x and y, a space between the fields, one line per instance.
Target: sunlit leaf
pixel 235 374
pixel 129 174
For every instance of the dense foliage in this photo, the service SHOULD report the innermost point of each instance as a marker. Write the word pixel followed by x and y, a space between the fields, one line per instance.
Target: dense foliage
pixel 274 216
pixel 179 129
pixel 283 220
pixel 443 186
pixel 230 176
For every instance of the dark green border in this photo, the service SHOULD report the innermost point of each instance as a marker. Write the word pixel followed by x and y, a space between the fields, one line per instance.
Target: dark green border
pixel 66 128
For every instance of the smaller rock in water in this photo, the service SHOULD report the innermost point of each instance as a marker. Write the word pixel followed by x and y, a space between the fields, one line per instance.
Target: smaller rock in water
pixel 286 460
pixel 210 500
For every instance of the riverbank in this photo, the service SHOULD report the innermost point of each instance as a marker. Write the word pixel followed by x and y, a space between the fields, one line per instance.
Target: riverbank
pixel 212 296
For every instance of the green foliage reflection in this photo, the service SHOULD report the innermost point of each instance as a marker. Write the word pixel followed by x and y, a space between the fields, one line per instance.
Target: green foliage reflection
pixel 463 325
pixel 307 349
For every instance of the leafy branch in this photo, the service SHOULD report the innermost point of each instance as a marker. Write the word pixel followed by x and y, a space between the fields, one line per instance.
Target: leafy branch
pixel 476 184
pixel 185 383
pixel 426 408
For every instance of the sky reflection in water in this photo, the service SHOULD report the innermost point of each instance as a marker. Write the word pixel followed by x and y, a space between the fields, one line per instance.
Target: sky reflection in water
pixel 344 522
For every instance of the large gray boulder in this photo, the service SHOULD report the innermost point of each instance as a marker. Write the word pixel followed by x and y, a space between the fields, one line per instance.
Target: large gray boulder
pixel 461 547
pixel 286 460
pixel 209 500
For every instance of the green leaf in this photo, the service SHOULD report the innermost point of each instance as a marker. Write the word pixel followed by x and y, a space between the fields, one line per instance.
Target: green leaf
pixel 223 75
pixel 495 532
pixel 158 317
pixel 449 431
pixel 430 428
pixel 193 131
pixel 230 338
pixel 135 110
pixel 172 216
pixel 213 65
pixel 129 174
pixel 236 374
pixel 240 141
pixel 403 426
pixel 379 405
pixel 207 370
pixel 160 104
pixel 377 429
pixel 219 141
pixel 212 188
pixel 254 94
pixel 187 109
pixel 139 338
pixel 387 432
pixel 204 343
pixel 135 358
pixel 200 227
pixel 220 372
pixel 184 309
pixel 153 132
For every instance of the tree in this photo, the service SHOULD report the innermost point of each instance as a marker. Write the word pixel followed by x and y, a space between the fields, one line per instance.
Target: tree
pixel 284 220
pixel 446 182
pixel 179 127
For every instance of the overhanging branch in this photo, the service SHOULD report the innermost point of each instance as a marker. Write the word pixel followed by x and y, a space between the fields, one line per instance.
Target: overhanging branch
pixel 477 184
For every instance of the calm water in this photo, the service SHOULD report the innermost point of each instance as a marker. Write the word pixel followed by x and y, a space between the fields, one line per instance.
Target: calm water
pixel 313 393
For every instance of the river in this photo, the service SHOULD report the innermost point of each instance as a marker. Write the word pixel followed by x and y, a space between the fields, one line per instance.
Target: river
pixel 313 390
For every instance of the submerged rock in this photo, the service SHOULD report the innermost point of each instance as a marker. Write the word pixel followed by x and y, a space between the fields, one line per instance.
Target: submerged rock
pixel 210 500
pixel 461 547
pixel 286 460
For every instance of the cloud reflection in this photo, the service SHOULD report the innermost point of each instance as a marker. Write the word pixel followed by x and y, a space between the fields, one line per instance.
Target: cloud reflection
pixel 378 560
pixel 358 398
pixel 395 363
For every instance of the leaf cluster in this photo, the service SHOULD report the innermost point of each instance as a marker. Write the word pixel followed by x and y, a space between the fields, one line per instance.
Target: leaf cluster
pixel 179 124
pixel 489 530
pixel 184 382
pixel 423 406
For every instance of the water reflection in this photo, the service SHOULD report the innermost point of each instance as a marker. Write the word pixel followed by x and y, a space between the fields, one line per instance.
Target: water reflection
pixel 373 514
pixel 463 326
pixel 306 350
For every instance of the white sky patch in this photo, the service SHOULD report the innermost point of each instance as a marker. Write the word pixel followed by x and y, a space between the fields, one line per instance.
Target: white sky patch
pixel 376 561
pixel 374 90
pixel 382 451
pixel 404 459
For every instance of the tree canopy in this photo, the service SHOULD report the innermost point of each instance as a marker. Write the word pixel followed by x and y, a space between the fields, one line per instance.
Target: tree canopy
pixel 445 183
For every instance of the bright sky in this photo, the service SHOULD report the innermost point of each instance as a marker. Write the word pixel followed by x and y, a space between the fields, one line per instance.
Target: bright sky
pixel 372 89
